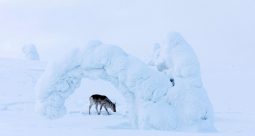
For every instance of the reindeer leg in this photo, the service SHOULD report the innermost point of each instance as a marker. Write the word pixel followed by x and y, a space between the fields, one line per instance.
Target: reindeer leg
pixel 96 109
pixel 90 107
pixel 106 110
pixel 101 108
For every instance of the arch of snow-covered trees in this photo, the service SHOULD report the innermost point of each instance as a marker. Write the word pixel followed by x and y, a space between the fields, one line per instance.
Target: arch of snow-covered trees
pixel 153 101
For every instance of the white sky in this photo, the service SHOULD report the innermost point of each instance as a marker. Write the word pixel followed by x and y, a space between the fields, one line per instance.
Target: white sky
pixel 222 32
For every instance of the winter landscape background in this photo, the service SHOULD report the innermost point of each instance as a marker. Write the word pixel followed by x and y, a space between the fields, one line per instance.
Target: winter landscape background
pixel 220 32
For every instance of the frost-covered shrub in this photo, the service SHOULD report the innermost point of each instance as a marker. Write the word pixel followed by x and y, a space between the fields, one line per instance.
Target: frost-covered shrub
pixel 153 102
pixel 31 52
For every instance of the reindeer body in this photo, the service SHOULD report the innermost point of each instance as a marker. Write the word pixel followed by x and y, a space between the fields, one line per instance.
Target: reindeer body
pixel 103 101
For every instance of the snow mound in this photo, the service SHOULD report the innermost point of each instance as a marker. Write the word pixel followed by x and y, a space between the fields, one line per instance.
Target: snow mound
pixel 153 102
pixel 31 52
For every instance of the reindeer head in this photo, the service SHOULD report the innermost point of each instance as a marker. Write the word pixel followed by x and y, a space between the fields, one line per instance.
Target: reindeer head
pixel 113 106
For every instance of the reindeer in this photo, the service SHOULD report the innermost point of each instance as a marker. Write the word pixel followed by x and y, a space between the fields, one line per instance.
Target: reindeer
pixel 103 101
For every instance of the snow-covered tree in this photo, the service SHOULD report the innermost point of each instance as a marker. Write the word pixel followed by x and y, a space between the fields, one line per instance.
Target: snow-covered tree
pixel 153 101
pixel 31 52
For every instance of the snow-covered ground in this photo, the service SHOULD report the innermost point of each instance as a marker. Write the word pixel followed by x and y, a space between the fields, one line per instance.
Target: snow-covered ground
pixel 230 89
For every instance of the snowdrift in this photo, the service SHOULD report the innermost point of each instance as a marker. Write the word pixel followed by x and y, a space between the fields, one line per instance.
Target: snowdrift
pixel 153 101
pixel 31 52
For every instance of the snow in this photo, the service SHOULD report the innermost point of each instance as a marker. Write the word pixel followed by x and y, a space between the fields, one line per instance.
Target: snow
pixel 220 32
pixel 148 93
pixel 233 106
pixel 30 51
